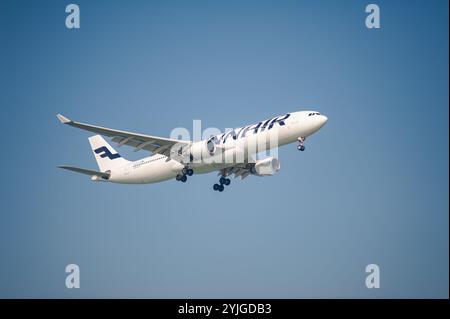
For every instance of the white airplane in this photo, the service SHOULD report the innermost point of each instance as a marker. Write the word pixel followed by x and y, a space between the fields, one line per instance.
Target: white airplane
pixel 229 153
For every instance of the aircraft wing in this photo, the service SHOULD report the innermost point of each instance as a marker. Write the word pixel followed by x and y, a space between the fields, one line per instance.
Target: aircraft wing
pixel 154 144
pixel 104 175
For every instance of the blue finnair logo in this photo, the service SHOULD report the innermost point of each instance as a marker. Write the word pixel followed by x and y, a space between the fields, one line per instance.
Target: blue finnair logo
pixel 106 153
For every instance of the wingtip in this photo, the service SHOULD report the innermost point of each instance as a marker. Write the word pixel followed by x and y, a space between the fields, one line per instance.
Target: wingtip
pixel 63 119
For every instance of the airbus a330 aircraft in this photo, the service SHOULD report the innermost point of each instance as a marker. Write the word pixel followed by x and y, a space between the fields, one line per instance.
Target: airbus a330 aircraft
pixel 229 153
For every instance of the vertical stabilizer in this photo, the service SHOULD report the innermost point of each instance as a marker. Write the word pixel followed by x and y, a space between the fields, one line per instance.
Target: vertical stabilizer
pixel 107 158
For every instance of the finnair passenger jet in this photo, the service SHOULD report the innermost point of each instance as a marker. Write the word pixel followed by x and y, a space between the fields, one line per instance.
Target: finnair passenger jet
pixel 228 153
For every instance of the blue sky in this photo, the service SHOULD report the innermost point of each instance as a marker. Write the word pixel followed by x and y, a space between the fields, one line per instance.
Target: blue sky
pixel 372 186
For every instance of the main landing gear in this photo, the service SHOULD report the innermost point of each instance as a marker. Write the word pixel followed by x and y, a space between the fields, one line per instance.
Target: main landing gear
pixel 185 172
pixel 301 143
pixel 222 181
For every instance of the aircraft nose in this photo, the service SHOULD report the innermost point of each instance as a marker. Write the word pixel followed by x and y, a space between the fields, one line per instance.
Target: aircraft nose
pixel 322 119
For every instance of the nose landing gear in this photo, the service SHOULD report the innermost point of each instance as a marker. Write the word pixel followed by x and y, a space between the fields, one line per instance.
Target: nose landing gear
pixel 301 143
pixel 222 181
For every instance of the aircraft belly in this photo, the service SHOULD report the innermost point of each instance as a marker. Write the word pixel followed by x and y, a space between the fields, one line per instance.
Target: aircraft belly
pixel 148 173
pixel 205 168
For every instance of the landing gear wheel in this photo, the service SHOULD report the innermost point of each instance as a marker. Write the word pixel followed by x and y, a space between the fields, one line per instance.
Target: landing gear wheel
pixel 184 170
pixel 223 181
pixel 190 172
pixel 301 141
pixel 184 178
pixel 179 177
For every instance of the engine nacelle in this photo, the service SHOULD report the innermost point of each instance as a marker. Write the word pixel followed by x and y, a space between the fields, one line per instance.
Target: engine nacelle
pixel 266 167
pixel 204 149
pixel 211 145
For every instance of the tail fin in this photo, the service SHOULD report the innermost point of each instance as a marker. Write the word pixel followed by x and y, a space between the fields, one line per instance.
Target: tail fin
pixel 107 158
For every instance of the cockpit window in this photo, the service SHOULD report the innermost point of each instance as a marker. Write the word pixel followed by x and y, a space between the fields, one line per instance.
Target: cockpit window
pixel 314 113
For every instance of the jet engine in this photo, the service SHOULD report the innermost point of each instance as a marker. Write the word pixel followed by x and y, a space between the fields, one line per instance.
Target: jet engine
pixel 266 167
pixel 211 145
pixel 204 149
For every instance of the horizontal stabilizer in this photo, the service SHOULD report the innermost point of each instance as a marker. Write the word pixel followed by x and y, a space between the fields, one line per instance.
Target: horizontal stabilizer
pixel 104 175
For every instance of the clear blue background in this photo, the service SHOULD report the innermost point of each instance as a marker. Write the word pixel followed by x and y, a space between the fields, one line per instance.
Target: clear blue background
pixel 372 186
